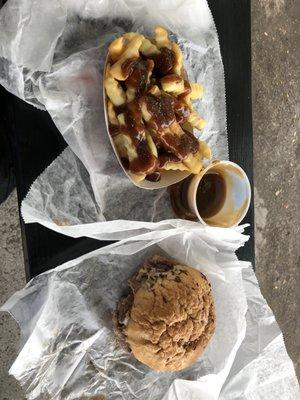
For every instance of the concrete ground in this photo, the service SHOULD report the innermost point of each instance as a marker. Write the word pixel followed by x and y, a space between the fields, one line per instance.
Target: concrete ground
pixel 275 42
pixel 276 102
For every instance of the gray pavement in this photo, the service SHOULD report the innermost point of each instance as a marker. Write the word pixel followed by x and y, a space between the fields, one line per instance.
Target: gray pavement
pixel 275 44
pixel 12 278
pixel 276 101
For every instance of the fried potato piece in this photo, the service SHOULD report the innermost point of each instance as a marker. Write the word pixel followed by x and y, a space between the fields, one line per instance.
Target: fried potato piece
pixel 136 177
pixel 125 146
pixel 176 129
pixel 161 37
pixel 197 91
pixel 112 118
pixel 196 121
pixel 178 65
pixel 205 150
pixel 130 94
pixel 148 49
pixel 175 166
pixel 155 90
pixel 151 145
pixel 116 48
pixel 150 67
pixel 187 127
pixel 132 90
pixel 130 35
pixel 173 129
pixel 113 89
pixel 145 113
pixel 131 51
pixel 126 149
pixel 131 46
pixel 172 84
pixel 121 119
pixel 193 162
pixel 188 102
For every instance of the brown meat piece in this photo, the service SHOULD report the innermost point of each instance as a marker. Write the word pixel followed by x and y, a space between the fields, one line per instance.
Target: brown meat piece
pixel 121 317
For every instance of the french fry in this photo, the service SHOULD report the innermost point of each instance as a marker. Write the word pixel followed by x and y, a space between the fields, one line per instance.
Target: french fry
pixel 113 89
pixel 197 91
pixel 178 65
pixel 151 126
pixel 161 37
pixel 148 49
pixel 188 102
pixel 155 90
pixel 136 177
pixel 187 127
pixel 145 113
pixel 112 118
pixel 150 66
pixel 172 84
pixel 130 35
pixel 121 119
pixel 130 94
pixel 173 129
pixel 175 166
pixel 205 150
pixel 151 144
pixel 125 146
pixel 193 163
pixel 131 51
pixel 148 137
pixel 176 129
pixel 196 121
pixel 127 150
pixel 116 48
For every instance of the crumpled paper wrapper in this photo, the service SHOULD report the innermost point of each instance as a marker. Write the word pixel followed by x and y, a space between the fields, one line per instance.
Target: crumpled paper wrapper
pixel 52 55
pixel 69 350
pixel 64 202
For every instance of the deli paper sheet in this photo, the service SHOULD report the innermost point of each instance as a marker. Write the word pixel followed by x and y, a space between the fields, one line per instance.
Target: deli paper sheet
pixel 52 55
pixel 62 199
pixel 69 349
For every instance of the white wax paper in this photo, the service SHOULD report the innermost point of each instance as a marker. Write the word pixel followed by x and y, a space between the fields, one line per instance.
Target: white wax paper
pixel 62 199
pixel 52 55
pixel 69 348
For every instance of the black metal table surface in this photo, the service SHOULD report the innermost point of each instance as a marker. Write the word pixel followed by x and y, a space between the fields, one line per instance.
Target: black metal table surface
pixel 36 141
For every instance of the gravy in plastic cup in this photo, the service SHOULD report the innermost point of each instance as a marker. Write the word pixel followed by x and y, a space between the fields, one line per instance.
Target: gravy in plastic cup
pixel 219 196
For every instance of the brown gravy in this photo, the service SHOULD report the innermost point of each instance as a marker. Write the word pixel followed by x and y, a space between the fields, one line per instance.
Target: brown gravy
pixel 145 161
pixel 138 71
pixel 211 194
pixel 161 110
pixel 128 65
pixel 154 177
pixel 164 110
pixel 164 61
